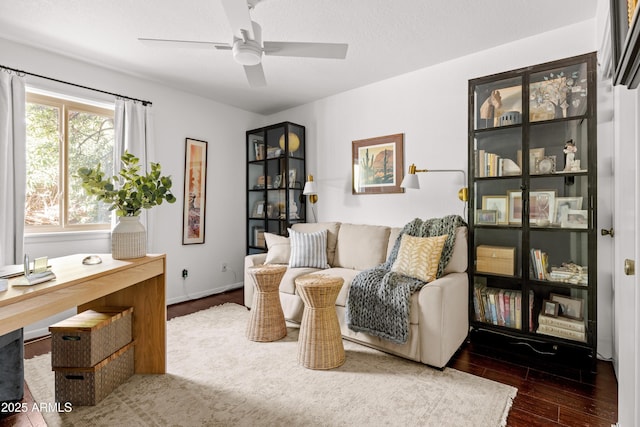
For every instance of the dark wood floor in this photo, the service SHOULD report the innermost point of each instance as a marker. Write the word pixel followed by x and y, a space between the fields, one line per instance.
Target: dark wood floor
pixel 547 396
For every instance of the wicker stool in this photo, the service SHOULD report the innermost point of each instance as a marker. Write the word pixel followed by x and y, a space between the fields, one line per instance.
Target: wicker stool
pixel 320 341
pixel 267 319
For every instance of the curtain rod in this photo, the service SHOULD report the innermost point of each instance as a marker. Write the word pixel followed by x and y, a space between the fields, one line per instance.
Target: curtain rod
pixel 76 85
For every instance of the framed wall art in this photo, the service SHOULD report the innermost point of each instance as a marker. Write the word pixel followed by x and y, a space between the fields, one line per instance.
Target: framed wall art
pixel 377 165
pixel 195 194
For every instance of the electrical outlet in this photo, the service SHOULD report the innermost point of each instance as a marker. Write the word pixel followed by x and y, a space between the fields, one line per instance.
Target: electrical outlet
pixel 223 267
pixel 185 273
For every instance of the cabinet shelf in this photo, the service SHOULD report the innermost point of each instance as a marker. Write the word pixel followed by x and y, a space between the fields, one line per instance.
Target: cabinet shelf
pixel 525 128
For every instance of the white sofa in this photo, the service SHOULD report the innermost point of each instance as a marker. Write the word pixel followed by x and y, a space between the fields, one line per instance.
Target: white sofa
pixel 439 316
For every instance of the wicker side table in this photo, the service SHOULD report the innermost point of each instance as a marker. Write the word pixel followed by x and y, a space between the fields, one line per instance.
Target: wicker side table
pixel 267 319
pixel 320 341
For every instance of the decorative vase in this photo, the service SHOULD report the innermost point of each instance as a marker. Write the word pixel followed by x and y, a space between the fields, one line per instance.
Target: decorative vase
pixel 128 238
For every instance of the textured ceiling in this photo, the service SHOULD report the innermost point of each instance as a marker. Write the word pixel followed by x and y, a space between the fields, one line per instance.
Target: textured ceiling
pixel 386 38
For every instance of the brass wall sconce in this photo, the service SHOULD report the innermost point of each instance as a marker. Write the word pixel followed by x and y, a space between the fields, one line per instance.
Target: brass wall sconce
pixel 411 180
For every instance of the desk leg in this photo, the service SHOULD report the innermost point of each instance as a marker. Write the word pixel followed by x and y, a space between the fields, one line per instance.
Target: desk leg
pixel 149 321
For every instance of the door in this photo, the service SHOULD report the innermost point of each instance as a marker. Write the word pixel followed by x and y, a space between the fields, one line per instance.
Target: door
pixel 626 247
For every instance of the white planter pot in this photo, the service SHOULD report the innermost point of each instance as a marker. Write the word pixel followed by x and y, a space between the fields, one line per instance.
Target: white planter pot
pixel 128 238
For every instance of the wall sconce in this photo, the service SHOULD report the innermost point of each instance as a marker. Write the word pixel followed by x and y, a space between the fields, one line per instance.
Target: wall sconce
pixel 411 180
pixel 311 191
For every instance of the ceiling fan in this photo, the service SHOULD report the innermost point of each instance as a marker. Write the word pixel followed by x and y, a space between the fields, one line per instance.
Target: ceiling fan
pixel 247 47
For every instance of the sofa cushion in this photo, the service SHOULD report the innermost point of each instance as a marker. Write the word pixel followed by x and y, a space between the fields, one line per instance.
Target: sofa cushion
pixel 418 257
pixel 287 284
pixel 332 235
pixel 279 249
pixel 394 232
pixel 308 249
pixel 346 274
pixel 361 247
pixel 458 262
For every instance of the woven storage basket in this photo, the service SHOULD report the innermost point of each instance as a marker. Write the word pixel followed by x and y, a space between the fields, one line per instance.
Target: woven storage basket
pixel 88 386
pixel 266 322
pixel 91 336
pixel 320 340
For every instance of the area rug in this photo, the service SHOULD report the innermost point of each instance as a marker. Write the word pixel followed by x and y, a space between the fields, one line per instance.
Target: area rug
pixel 216 377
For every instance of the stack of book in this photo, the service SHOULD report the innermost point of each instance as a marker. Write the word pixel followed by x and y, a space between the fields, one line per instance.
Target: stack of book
pixel 502 307
pixel 562 327
pixel 576 275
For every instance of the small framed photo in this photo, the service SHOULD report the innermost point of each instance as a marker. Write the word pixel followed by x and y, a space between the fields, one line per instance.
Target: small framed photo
pixel 515 206
pixel 277 181
pixel 500 204
pixel 486 217
pixel 576 219
pixel 292 178
pixel 550 308
pixel 546 165
pixel 563 206
pixel 258 209
pixel 569 307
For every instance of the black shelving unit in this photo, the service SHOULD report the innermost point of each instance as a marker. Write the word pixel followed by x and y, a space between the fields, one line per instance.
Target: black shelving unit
pixel 275 179
pixel 532 209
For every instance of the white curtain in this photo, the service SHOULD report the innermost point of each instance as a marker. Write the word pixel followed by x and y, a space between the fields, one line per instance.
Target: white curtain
pixel 133 132
pixel 13 171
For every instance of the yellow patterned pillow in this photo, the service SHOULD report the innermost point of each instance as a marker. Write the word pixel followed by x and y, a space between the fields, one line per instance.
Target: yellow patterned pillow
pixel 418 257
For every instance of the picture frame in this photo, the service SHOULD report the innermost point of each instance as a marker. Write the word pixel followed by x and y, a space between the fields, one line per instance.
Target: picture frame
pixel 195 192
pixel 576 219
pixel 515 206
pixel 550 308
pixel 258 209
pixel 534 155
pixel 500 204
pixel 486 217
pixel 377 165
pixel 546 165
pixel 277 181
pixel 570 307
pixel 541 205
pixel 562 207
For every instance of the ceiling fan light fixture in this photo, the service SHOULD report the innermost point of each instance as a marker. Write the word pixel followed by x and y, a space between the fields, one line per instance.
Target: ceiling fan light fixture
pixel 247 53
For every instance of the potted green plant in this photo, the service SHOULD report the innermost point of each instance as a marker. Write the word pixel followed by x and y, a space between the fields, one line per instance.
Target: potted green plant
pixel 129 193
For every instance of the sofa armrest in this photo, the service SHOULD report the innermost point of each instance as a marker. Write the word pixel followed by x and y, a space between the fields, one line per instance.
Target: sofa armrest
pixel 251 261
pixel 443 318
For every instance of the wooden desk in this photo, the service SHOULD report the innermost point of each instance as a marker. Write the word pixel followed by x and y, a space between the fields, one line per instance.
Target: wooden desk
pixel 137 283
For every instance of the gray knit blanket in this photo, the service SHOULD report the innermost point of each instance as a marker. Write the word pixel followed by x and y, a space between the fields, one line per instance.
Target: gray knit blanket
pixel 379 299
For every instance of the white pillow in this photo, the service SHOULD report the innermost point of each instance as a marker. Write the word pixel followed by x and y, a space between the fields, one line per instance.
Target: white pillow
pixel 308 249
pixel 279 249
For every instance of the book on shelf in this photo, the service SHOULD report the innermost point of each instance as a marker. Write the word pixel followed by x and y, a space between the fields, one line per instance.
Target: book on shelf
pixel 539 264
pixel 562 333
pixel 497 306
pixel 492 164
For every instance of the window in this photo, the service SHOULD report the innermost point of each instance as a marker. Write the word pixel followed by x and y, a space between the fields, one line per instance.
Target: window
pixel 62 136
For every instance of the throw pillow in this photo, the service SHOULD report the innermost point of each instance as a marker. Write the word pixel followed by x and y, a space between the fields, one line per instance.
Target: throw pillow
pixel 308 249
pixel 279 249
pixel 418 257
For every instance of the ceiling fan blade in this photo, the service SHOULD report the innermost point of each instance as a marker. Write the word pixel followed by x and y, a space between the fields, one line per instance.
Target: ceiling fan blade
pixel 307 50
pixel 184 43
pixel 237 12
pixel 255 75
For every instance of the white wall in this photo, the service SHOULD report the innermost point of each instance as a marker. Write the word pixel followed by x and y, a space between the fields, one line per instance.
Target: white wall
pixel 177 115
pixel 430 106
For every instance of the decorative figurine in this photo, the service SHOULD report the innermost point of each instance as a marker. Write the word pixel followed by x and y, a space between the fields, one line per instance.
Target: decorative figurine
pixel 570 162
pixel 487 109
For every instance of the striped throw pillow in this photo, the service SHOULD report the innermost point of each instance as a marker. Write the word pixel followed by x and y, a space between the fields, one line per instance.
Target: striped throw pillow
pixel 418 257
pixel 308 249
